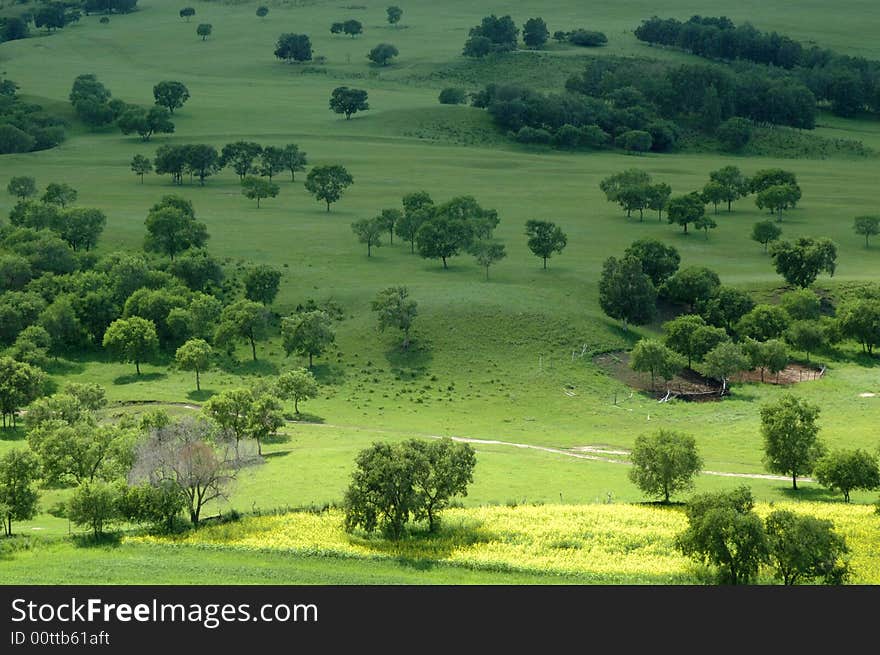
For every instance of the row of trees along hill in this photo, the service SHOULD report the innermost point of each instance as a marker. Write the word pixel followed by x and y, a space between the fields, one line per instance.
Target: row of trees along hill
pixel 848 84
pixel 25 126
pixel 639 106
pixel 500 34
pixel 446 230
pixel 95 106
pixel 53 16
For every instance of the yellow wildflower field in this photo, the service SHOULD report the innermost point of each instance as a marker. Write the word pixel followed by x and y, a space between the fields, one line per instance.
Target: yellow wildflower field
pixel 611 544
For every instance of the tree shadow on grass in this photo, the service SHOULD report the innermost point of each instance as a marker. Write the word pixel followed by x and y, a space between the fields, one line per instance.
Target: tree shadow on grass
pixel 813 493
pixel 200 396
pixel 250 367
pixel 64 367
pixel 306 418
pixel 420 548
pixel 277 454
pixel 108 539
pixel 12 434
pixel 415 359
pixel 278 437
pixel 328 374
pixel 143 377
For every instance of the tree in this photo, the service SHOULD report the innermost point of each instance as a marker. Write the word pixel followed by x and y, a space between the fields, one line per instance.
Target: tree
pixel 261 284
pixel 294 47
pixel 724 360
pixel 395 13
pixel 848 471
pixel 328 182
pixel 187 12
pixel 452 96
pixel 778 198
pixel 500 32
pixel 734 183
pixel 81 227
pixel 664 462
pixel 714 193
pixel 12 140
pixel 805 548
pixel 344 100
pixel 801 304
pixel 132 340
pixel 763 322
pixel 243 319
pixel 51 16
pixel 382 491
pixel 186 455
pixel 307 333
pixel 170 94
pixel 635 141
pixel 257 187
pixel 807 336
pixel 442 469
pixel 19 470
pixel 705 223
pixel 859 319
pixel 691 286
pixel 734 134
pixel 171 230
pixel 172 160
pixel 240 156
pixel 801 262
pixel 545 238
pixel 262 11
pixel 395 310
pixel 625 292
pixel 145 122
pixel 204 30
pixel 477 46
pixel 296 385
pixel 679 334
pixel 22 187
pixel 766 178
pixel 791 444
pixel 535 33
pixel 488 253
pixel 765 231
pixel 771 355
pixel 60 321
pixel 658 198
pixel 140 166
pixel 418 207
pixel 59 194
pixel 724 531
pixel 20 384
pixel 369 231
pixel 272 161
pixel 382 54
pixel 94 504
pixel 659 261
pixel 336 28
pixel 230 410
pixel 389 218
pixel 443 236
pixel 202 160
pixel 867 226
pixel 352 27
pixel 145 503
pixel 685 209
pixel 194 355
pixel 293 159
pixel 649 355
pixel 264 419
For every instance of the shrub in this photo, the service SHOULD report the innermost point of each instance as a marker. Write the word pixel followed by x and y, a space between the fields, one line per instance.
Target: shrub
pixel 453 96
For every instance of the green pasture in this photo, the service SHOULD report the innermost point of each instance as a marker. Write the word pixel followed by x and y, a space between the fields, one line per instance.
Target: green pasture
pixel 509 359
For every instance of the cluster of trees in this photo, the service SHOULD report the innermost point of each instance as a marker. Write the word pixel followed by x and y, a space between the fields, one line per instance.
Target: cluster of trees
pixel 848 84
pixel 581 37
pixel 95 106
pixel 393 484
pixel 24 126
pixel 293 47
pixel 495 34
pixel 350 27
pixel 109 6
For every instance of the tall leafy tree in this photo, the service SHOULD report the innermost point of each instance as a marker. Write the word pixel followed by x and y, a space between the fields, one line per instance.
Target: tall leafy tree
pixel 651 356
pixel 202 160
pixel 488 253
pixel 664 463
pixel 297 385
pixel 170 94
pixel 243 319
pixel 535 33
pixel 859 319
pixel 171 230
pixel 240 157
pixel 132 339
pixel 369 231
pixel 764 232
pixel 442 469
pixel 307 333
pixel 348 101
pixel 204 30
pixel 659 261
pixel 328 182
pixel 805 548
pixel 801 262
pixel 545 238
pixel 735 185
pixel 867 226
pixel 394 14
pixel 19 472
pixel 20 384
pixel 723 361
pixel 81 227
pixel 625 292
pixel 395 309
pixel 22 186
pixel 261 283
pixel 141 166
pixel 791 436
pixel 59 194
pixel 194 355
pixel 383 53
pixel 294 47
pixel 258 188
pixel 146 122
pixel 685 209
pixel 443 236
pixel 294 160
pixel 848 471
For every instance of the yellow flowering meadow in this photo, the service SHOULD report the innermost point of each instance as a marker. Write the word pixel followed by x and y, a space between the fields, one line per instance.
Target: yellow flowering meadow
pixel 610 544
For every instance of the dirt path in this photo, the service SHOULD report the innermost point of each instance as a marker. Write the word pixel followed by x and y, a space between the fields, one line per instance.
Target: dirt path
pixel 578 452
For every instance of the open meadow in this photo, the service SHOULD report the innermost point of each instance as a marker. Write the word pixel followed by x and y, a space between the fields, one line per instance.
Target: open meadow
pixel 509 362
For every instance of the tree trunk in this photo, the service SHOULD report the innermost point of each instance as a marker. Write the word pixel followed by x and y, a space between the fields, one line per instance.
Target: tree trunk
pixel 685 228
pixel 794 481
pixel 406 339
pixel 258 202
pixel 296 404
pixel 253 348
pixel 198 385
pixel 545 263
pixel 369 250
pixel 310 360
pixel 728 205
pixel 137 366
pixel 328 206
pixel 444 262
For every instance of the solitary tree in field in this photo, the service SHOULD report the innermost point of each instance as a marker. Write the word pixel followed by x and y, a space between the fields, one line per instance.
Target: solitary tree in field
pixel 545 238
pixel 867 226
pixel 664 463
pixel 22 187
pixel 244 319
pixel 294 47
pixel 59 194
pixel 395 310
pixel 625 292
pixel 132 340
pixel 194 355
pixel 651 356
pixel 307 333
pixel 328 182
pixel 442 469
pixel 535 33
pixel 765 231
pixel 19 472
pixel 383 53
pixel 170 94
pixel 791 443
pixel 801 262
pixel 352 27
pixel 395 13
pixel 262 11
pixel 140 166
pixel 348 101
pixel 848 471
pixel 258 188
pixel 187 12
pixel 369 231
pixel 685 209
pixel 488 253
pixel 204 30
pixel 297 385
pixel 261 284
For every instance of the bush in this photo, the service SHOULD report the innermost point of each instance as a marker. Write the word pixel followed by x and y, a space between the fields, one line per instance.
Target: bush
pixel 734 134
pixel 567 136
pixel 453 96
pixel 587 39
pixel 532 135
pixel 635 141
